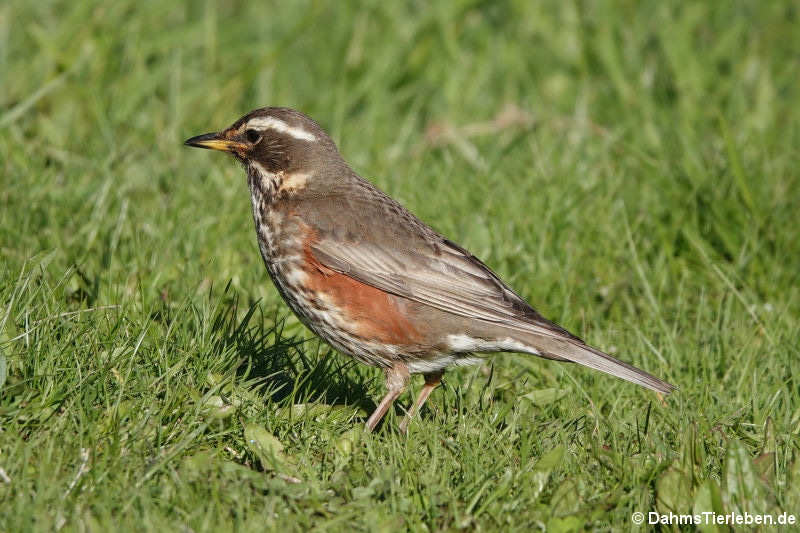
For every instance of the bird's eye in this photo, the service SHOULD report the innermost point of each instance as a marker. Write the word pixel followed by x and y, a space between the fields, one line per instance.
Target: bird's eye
pixel 252 136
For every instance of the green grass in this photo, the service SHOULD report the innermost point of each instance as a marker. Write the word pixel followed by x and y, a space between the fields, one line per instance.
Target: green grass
pixel 631 168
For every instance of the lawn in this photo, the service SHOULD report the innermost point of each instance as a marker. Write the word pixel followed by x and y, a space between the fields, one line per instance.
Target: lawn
pixel 630 168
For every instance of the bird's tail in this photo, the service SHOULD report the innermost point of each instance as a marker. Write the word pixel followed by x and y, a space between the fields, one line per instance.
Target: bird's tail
pixel 578 352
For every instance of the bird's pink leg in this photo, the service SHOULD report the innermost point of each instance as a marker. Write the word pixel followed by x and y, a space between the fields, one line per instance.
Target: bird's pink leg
pixel 396 381
pixel 431 381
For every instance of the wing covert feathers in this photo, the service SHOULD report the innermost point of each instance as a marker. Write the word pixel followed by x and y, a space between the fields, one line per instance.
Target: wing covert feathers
pixel 407 258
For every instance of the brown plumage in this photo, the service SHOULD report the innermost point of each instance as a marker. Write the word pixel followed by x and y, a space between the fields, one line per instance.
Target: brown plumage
pixel 369 277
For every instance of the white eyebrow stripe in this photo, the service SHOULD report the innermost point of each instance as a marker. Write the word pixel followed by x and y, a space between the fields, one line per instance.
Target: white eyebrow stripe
pixel 272 123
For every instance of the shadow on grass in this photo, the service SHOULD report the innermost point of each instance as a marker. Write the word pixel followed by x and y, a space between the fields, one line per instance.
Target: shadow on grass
pixel 293 370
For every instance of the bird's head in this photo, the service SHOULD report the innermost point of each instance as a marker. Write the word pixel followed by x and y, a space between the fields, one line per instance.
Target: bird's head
pixel 274 140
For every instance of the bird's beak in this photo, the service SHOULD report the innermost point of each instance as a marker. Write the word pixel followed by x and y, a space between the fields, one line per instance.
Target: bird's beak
pixel 215 141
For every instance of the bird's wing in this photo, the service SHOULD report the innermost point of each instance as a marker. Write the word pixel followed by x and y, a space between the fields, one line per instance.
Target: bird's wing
pixel 376 241
pixel 369 237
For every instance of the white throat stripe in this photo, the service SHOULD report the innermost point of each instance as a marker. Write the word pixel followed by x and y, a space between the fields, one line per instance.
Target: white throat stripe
pixel 272 123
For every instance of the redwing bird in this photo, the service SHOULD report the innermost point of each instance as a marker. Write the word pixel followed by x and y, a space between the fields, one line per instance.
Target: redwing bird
pixel 372 279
